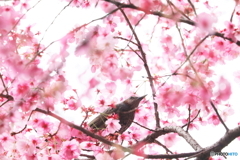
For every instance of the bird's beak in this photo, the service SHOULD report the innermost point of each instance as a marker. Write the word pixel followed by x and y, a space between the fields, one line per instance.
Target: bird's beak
pixel 142 97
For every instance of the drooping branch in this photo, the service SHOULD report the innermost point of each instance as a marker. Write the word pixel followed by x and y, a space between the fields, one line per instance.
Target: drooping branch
pixel 62 120
pixel 143 55
pixel 200 152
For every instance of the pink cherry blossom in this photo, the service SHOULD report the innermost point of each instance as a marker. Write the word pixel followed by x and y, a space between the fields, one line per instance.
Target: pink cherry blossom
pixel 112 126
pixel 170 139
pixel 205 21
pixel 224 90
pixel 213 119
pixel 70 149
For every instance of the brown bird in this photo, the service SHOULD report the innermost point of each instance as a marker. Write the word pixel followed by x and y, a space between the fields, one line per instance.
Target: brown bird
pixel 125 111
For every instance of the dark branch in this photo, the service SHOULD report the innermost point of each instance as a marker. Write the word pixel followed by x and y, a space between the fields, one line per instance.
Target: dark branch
pixel 220 118
pixel 93 135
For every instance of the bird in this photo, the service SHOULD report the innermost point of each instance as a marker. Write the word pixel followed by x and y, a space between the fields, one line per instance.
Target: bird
pixel 125 111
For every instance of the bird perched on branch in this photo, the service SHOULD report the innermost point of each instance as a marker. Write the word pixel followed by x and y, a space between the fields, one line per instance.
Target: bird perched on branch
pixel 125 111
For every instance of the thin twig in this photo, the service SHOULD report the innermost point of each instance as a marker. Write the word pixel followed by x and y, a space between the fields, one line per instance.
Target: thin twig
pixel 236 3
pixel 136 27
pixel 24 15
pixel 4 103
pixel 7 96
pixel 190 2
pixel 188 57
pixel 154 27
pixel 135 52
pixel 54 19
pixel 189 116
pixel 192 119
pixel 220 118
pixel 176 8
pixel 14 133
pixel 56 130
pixel 185 51
pixel 5 87
pixel 126 40
pixel 160 144
pixel 84 119
pixel 144 126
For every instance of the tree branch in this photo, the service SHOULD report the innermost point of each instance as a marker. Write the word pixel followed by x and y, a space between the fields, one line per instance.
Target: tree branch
pixel 100 138
pixel 219 145
pixel 201 153
pixel 175 129
pixel 146 68
pixel 220 118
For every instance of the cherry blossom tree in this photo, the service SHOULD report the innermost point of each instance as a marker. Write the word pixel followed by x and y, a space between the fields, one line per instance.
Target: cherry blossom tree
pixel 170 50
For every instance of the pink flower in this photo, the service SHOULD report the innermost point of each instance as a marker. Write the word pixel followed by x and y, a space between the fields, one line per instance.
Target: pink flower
pixel 112 126
pixel 170 139
pixel 31 156
pixel 44 126
pixel 93 83
pixel 6 140
pixel 22 88
pixel 72 105
pixel 224 89
pixel 111 87
pixel 34 140
pixel 70 149
pixel 117 153
pixel 8 18
pixel 50 157
pixel 226 113
pixel 220 44
pixel 103 155
pixel 205 21
pixel 213 119
pixel 23 146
